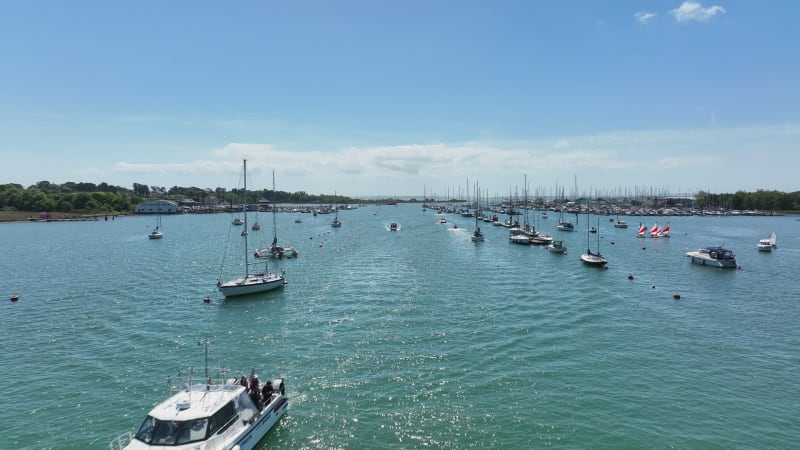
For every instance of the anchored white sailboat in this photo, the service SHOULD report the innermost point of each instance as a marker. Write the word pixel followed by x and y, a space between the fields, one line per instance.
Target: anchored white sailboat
pixel 275 250
pixel 589 258
pixel 477 235
pixel 156 233
pixel 250 283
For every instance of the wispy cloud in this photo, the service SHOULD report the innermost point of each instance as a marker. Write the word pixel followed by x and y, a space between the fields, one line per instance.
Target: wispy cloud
pixel 142 118
pixel 691 11
pixel 644 16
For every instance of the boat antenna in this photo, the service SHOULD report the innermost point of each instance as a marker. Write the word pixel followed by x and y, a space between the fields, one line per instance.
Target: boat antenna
pixel 204 343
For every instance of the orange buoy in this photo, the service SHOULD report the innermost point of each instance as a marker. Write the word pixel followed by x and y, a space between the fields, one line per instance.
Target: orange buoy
pixel 630 276
pixel 14 298
pixel 676 296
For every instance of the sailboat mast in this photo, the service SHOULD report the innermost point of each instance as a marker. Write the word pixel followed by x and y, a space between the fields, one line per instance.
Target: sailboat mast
pixel 274 223
pixel 244 207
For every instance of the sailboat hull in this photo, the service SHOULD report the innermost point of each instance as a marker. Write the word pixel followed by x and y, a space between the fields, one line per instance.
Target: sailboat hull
pixel 593 260
pixel 252 284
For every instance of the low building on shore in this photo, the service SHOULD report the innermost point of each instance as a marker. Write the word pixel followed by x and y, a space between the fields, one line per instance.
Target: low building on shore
pixel 157 207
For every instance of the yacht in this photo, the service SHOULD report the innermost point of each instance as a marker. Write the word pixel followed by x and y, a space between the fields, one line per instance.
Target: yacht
pixel 766 245
pixel 235 414
pixel 713 256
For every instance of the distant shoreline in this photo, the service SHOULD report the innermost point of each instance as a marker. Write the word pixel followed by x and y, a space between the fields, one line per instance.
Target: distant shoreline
pixel 33 216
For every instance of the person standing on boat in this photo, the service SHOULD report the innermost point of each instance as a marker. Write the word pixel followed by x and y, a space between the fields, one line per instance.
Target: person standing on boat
pixel 266 393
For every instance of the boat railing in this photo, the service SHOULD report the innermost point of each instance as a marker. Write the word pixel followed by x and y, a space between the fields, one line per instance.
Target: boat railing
pixel 121 441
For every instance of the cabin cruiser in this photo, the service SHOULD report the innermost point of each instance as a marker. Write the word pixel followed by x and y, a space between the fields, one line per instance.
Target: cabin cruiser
pixel 233 415
pixel 713 256
pixel 557 247
pixel 766 245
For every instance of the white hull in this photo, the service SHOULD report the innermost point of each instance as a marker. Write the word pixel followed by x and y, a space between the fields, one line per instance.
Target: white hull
pixel 714 257
pixel 590 259
pixel 252 284
pixel 557 247
pixel 766 245
pixel 542 239
pixel 155 235
pixel 250 426
pixel 520 239
pixel 705 261
pixel 276 252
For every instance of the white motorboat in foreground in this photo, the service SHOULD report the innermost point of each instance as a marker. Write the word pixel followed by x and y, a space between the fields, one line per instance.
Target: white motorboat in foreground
pixel 713 256
pixel 766 245
pixel 222 416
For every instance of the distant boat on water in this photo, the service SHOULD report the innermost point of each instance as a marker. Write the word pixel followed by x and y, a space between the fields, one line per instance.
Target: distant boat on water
pixel 768 244
pixel 156 233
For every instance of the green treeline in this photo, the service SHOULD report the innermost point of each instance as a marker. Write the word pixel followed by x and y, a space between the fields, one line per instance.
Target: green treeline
pixel 104 198
pixel 759 200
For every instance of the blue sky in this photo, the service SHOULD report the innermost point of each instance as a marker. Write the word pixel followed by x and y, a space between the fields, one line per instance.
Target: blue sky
pixel 397 97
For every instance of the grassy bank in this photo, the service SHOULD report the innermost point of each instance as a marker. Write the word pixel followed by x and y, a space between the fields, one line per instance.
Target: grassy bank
pixel 32 216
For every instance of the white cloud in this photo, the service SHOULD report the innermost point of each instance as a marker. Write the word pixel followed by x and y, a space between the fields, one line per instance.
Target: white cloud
pixel 644 16
pixel 677 158
pixel 689 11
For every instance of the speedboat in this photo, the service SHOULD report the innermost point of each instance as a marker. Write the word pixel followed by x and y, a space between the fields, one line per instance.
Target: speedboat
pixel 235 414
pixel 713 256
pixel 393 227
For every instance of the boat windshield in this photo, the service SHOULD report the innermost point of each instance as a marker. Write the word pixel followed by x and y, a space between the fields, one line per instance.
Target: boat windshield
pixel 172 432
